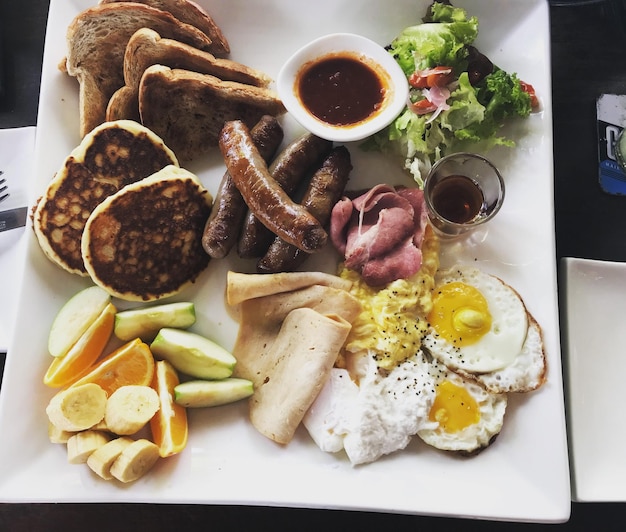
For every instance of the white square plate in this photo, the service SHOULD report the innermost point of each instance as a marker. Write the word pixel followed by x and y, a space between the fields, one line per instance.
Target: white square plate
pixel 595 365
pixel 523 476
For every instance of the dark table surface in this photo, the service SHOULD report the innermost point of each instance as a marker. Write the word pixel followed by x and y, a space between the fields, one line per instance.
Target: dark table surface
pixel 588 59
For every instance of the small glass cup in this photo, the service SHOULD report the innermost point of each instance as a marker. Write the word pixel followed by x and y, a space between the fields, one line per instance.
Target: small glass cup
pixel 462 191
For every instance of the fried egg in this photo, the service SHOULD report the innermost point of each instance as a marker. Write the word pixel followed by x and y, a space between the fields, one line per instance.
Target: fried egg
pixel 477 323
pixel 480 328
pixel 463 417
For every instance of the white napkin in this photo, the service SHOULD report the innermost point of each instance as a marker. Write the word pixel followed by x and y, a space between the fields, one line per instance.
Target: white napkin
pixel 17 148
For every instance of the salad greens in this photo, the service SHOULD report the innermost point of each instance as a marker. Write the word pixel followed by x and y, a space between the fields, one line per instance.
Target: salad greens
pixel 457 95
pixel 442 42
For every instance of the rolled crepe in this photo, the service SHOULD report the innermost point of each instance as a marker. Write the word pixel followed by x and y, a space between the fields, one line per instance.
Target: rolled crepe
pixel 291 330
pixel 242 286
pixel 297 367
pixel 261 320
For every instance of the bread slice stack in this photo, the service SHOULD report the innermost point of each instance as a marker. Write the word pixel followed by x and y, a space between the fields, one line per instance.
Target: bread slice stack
pixel 114 49
pixel 190 13
pixel 146 48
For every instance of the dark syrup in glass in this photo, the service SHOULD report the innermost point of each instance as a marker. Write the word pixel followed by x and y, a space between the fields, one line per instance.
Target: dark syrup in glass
pixel 458 199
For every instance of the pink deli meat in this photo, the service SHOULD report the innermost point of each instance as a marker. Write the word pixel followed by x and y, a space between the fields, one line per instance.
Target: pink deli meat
pixel 380 233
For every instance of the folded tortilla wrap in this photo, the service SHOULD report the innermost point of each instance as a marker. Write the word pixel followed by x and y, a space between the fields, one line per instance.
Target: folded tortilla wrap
pixel 298 366
pixel 291 331
pixel 243 286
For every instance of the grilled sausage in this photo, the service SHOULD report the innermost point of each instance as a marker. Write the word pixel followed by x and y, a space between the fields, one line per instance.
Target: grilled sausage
pixel 229 209
pixel 288 169
pixel 325 189
pixel 269 202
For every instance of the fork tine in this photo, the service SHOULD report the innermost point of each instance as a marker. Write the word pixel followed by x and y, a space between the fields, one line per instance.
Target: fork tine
pixel 3 188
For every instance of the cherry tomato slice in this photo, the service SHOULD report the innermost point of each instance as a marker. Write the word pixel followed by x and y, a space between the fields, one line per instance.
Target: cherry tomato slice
pixel 422 107
pixel 530 90
pixel 438 76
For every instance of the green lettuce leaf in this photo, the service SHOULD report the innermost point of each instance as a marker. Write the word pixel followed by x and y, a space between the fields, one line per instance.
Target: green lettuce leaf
pixel 440 42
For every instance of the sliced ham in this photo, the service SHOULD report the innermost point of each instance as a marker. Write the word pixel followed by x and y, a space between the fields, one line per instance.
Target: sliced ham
pixel 415 197
pixel 380 233
pixel 341 214
pixel 401 262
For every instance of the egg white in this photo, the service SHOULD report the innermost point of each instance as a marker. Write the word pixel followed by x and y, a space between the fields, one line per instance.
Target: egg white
pixel 371 413
pixel 499 346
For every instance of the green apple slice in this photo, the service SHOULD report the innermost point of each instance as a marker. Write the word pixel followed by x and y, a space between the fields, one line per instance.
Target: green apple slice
pixel 193 354
pixel 75 317
pixel 200 393
pixel 146 322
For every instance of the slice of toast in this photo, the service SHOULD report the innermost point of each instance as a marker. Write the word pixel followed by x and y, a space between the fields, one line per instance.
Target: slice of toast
pixel 144 243
pixel 146 48
pixel 96 42
pixel 190 13
pixel 110 157
pixel 188 109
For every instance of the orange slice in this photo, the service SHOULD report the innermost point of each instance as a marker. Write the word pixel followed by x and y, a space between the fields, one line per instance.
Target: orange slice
pixel 169 424
pixel 83 354
pixel 132 363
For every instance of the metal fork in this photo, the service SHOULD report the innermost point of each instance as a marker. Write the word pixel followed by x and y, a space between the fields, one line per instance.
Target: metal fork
pixel 3 187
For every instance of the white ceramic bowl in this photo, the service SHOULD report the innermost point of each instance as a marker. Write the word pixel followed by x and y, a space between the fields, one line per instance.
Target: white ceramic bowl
pixel 352 45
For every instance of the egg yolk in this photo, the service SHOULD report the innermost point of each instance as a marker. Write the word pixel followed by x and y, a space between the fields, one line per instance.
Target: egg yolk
pixel 454 408
pixel 460 314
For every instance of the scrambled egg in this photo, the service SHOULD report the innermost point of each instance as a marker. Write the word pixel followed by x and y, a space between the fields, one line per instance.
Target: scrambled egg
pixel 393 322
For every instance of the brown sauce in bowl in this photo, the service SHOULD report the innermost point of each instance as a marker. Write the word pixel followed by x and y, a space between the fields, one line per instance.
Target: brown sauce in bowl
pixel 341 89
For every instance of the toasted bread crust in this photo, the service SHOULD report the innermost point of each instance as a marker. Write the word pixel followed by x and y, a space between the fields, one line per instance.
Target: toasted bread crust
pixel 146 48
pixel 96 42
pixel 188 109
pixel 144 242
pixel 111 157
pixel 193 14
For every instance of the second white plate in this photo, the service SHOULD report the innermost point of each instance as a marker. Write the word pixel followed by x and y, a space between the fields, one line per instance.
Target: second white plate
pixel 595 366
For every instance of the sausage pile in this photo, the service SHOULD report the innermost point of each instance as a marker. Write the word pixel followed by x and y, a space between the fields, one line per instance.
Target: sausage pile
pixel 257 206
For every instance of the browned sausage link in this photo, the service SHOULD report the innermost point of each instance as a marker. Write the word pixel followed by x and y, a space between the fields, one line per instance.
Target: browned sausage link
pixel 254 237
pixel 229 208
pixel 325 189
pixel 270 203
pixel 288 169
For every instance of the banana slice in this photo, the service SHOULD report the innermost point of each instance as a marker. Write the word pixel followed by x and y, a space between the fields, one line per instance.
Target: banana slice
pixel 56 435
pixel 101 460
pixel 102 425
pixel 129 408
pixel 79 408
pixel 81 445
pixel 135 461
